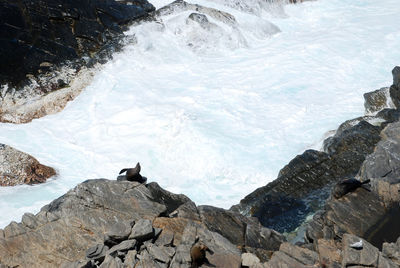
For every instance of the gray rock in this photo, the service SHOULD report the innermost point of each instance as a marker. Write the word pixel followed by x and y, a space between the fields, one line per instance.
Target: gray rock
pixel 111 262
pixel 158 254
pixel 13 229
pixel 170 251
pixel 368 255
pixel 130 259
pixel 96 252
pixel 118 232
pixel 395 88
pixel 249 260
pixel 124 246
pixel 142 230
pixel 165 238
pixel 29 220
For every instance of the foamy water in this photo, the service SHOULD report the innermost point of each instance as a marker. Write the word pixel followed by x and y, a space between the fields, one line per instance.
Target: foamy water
pixel 214 115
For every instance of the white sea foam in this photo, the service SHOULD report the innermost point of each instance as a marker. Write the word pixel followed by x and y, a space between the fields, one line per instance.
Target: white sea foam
pixel 217 122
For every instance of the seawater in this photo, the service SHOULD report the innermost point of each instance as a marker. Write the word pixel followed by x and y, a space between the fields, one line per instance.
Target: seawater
pixel 214 115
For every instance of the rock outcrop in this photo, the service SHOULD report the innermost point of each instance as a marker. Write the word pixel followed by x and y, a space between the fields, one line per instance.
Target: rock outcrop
pixel 17 167
pixel 109 223
pixel 45 45
pixel 304 184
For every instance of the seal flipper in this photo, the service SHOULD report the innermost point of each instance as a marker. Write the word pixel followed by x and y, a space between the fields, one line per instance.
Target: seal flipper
pixel 123 170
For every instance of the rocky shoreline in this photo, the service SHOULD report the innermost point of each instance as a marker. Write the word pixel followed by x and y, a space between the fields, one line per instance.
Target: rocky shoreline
pixel 119 223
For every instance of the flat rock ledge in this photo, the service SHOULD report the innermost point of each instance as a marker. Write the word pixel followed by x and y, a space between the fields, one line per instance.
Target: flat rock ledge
pixel 49 50
pixel 17 167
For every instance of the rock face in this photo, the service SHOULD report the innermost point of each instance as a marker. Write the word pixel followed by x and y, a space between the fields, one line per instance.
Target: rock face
pixel 18 168
pixel 109 223
pixel 45 44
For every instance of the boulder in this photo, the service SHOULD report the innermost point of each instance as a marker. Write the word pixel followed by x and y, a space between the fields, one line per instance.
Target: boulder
pixel 19 168
pixel 142 230
pixel 395 88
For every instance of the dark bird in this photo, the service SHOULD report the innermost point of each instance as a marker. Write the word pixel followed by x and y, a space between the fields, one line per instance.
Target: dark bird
pixel 347 186
pixel 133 174
pixel 198 255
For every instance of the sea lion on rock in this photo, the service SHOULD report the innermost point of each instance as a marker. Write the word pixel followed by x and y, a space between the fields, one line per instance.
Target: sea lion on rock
pixel 133 174
pixel 198 255
pixel 347 186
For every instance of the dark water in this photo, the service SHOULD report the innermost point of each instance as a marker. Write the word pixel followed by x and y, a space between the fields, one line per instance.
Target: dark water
pixel 386 230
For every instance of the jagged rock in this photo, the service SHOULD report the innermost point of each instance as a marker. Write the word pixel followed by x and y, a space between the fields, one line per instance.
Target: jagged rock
pixel 82 216
pixel 124 246
pixel 29 220
pixel 329 252
pixel 44 45
pixel 97 252
pixel 377 100
pixel 158 254
pixel 366 256
pixel 118 232
pixel 354 213
pixel 392 251
pixel 130 259
pixel 165 238
pixel 17 167
pixel 304 184
pixel 142 230
pixel 110 262
pixel 170 200
pixel 381 167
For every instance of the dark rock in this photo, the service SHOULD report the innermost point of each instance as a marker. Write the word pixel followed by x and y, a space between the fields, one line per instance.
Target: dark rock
pixel 19 168
pixel 395 88
pixel 377 100
pixel 304 184
pixel 170 200
pixel 240 230
pixel 57 31
pixel 142 230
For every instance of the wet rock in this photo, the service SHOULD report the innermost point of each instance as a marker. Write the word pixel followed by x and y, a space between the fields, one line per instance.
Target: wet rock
pixel 17 167
pixel 44 44
pixel 142 230
pixel 304 184
pixel 377 100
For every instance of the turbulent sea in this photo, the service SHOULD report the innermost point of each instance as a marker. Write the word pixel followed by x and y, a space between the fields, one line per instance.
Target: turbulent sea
pixel 214 115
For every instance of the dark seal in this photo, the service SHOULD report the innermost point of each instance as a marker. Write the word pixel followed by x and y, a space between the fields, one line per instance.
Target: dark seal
pixel 347 186
pixel 198 255
pixel 133 174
